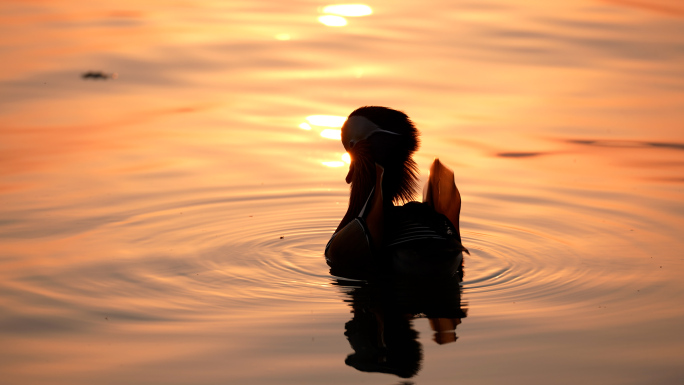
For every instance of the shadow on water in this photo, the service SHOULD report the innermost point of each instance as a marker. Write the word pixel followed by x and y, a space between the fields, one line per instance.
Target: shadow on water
pixel 628 143
pixel 381 330
pixel 518 154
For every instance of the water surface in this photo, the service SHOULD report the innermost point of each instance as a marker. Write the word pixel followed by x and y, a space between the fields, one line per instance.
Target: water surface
pixel 166 225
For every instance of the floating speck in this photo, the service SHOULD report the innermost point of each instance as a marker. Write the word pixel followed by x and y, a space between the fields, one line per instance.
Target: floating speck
pixel 98 75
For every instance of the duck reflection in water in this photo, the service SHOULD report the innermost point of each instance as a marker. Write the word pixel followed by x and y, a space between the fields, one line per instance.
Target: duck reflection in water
pixel 377 237
pixel 381 331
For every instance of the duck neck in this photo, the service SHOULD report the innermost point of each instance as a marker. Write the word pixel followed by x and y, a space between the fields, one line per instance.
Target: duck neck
pixel 363 181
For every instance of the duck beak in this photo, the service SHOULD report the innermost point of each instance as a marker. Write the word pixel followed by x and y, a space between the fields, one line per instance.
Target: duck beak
pixel 350 174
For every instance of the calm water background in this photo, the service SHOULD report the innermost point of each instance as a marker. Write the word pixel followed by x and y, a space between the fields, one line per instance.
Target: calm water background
pixel 167 226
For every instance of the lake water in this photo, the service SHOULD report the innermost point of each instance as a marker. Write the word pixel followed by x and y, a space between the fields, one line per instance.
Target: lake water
pixel 166 224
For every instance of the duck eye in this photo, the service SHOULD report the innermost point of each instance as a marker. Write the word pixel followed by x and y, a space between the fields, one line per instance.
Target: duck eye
pixel 351 144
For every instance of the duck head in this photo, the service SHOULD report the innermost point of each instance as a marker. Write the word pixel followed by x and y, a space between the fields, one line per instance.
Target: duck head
pixel 387 137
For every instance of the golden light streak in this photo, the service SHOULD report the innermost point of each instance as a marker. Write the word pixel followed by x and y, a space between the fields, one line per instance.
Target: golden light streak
pixel 346 158
pixel 305 126
pixel 332 134
pixel 283 36
pixel 326 120
pixel 334 163
pixel 333 20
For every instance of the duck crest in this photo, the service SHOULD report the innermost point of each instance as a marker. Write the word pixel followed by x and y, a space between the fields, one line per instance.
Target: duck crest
pixel 393 152
pixel 387 137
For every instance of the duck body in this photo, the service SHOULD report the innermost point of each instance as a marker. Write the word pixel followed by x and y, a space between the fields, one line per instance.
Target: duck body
pixel 384 232
pixel 419 243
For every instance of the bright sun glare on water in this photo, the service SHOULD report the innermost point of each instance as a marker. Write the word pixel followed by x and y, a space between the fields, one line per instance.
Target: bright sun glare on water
pixel 326 120
pixel 334 163
pixel 334 14
pixel 333 21
pixel 346 159
pixel 334 123
pixel 331 133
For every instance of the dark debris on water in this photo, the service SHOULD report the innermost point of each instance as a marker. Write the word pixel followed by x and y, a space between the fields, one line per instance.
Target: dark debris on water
pixel 98 75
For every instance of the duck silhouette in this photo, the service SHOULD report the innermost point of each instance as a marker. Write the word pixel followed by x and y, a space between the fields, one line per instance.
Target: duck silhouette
pixel 384 231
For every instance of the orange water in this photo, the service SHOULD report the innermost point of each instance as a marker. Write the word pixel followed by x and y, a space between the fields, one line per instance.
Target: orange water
pixel 167 226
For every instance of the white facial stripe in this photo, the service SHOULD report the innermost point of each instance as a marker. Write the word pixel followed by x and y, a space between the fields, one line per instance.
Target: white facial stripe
pixel 358 128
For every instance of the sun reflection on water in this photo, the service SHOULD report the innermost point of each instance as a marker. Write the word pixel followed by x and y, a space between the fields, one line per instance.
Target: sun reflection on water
pixel 346 160
pixel 331 133
pixel 333 121
pixel 334 163
pixel 326 120
pixel 330 128
pixel 333 20
pixel 335 14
